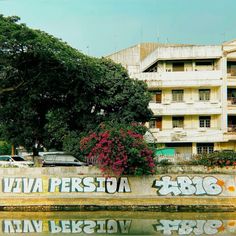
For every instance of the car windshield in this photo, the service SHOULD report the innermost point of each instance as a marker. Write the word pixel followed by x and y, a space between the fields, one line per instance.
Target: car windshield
pixel 17 158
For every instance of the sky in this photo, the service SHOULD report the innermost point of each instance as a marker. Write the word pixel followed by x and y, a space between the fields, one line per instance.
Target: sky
pixel 102 27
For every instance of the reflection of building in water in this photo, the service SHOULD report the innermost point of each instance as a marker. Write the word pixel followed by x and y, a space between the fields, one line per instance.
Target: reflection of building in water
pixel 193 91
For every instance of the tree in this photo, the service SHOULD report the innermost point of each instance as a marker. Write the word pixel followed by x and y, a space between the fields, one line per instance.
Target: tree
pixel 49 89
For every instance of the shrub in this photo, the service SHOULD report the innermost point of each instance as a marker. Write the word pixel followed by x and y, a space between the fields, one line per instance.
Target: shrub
pixel 221 159
pixel 119 149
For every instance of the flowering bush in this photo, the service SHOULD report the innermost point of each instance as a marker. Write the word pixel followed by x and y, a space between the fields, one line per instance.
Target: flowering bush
pixel 221 159
pixel 119 149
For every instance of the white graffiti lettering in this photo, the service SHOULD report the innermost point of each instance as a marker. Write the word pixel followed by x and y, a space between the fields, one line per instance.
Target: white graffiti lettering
pixel 22 185
pixel 90 184
pixel 90 226
pixel 183 185
pixel 22 226
pixel 187 227
pixel 67 185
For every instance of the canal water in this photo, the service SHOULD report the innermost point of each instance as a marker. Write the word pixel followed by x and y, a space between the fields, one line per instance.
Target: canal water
pixel 117 223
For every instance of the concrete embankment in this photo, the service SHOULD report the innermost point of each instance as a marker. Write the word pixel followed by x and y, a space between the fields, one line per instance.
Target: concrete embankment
pixel 179 188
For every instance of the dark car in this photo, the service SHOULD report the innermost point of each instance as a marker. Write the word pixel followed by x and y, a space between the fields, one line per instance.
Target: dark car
pixel 61 160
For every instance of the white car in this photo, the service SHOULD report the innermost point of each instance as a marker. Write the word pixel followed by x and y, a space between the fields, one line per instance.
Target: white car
pixel 14 161
pixel 61 159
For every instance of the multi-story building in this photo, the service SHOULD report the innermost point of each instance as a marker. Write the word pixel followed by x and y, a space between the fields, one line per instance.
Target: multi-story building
pixel 194 93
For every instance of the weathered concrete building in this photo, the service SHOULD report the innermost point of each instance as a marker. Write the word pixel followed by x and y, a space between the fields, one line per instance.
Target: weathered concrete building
pixel 194 93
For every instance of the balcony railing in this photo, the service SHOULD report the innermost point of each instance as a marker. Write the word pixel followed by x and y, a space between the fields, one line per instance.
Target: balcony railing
pixel 190 107
pixel 182 79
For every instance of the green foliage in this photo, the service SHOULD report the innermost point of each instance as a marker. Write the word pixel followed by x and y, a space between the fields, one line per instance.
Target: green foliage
pixel 164 162
pixel 48 89
pixel 222 158
pixel 5 148
pixel 118 149
pixel 71 144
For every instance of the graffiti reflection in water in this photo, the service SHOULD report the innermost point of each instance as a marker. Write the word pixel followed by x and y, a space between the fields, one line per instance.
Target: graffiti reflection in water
pixel 186 227
pixel 142 223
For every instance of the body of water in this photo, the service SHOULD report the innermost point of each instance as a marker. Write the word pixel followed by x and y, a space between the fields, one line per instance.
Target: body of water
pixel 117 223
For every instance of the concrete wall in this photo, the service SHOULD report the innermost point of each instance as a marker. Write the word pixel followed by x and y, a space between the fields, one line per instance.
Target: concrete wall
pixel 86 186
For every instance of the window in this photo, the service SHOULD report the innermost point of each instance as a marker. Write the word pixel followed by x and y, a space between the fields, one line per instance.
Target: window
pixel 205 148
pixel 178 66
pixel 231 123
pixel 152 124
pixel 231 68
pixel 205 121
pixel 156 123
pixel 177 95
pixel 204 94
pixel 231 95
pixel 156 96
pixel 178 121
pixel 204 65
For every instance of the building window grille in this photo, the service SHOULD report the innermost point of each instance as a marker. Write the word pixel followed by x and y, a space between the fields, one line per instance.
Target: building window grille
pixel 204 94
pixel 203 148
pixel 177 95
pixel 178 122
pixel 204 121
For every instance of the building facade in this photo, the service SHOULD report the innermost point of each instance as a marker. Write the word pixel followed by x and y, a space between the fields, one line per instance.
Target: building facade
pixel 193 93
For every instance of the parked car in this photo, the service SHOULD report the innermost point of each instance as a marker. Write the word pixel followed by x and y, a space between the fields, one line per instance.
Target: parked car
pixel 60 159
pixel 14 161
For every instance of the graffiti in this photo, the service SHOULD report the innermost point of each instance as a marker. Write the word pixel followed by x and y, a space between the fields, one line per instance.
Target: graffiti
pixel 68 226
pixel 183 185
pixel 67 185
pixel 22 185
pixel 90 184
pixel 186 227
pixel 90 226
pixel 22 226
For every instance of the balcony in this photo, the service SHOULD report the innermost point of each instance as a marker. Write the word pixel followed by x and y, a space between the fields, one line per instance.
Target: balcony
pixel 188 135
pixel 181 53
pixel 181 79
pixel 186 108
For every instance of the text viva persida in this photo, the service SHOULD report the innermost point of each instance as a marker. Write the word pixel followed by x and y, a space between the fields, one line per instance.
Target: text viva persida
pixel 66 185
pixel 165 185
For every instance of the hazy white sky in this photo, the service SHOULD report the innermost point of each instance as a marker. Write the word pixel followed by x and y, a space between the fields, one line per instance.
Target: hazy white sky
pixel 100 27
